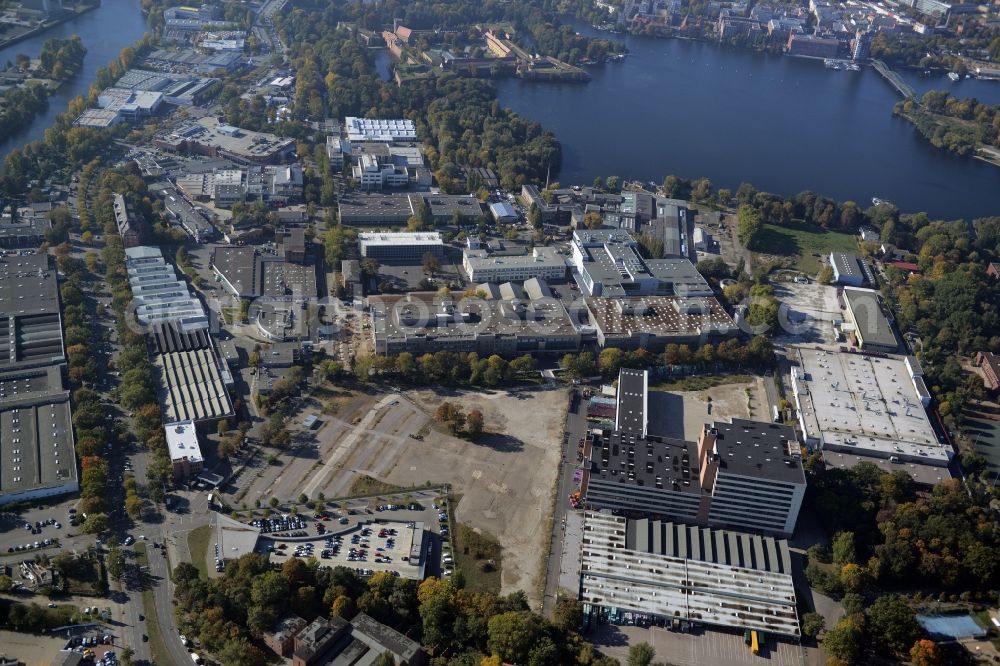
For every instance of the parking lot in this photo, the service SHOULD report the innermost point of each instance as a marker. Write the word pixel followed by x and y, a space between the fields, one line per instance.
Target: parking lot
pixel 370 546
pixel 48 526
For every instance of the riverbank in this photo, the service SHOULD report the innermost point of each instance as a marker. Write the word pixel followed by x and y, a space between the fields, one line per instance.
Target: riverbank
pixel 45 26
pixel 954 135
pixel 104 31
pixel 20 104
pixel 837 133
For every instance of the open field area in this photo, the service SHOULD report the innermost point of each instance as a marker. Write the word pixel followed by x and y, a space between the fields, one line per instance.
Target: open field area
pixel 801 246
pixel 807 312
pixel 364 441
pixel 198 539
pixel 721 403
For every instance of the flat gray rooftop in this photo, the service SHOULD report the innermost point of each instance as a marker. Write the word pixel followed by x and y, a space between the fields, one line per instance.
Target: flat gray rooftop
pixel 30 325
pixel 758 449
pixel 632 396
pixel 707 576
pixel 859 402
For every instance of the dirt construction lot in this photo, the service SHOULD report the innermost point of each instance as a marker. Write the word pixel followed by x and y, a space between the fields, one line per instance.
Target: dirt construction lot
pixel 505 479
pixel 727 401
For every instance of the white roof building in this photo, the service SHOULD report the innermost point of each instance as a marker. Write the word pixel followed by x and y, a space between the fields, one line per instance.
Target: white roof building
pixel 380 129
pixel 867 406
pixel 182 442
pixel 157 294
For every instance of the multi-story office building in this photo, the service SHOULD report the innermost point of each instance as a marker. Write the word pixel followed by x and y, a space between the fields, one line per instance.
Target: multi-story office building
pixel 400 246
pixel 541 262
pixel 753 471
pixel 608 263
pixel 743 474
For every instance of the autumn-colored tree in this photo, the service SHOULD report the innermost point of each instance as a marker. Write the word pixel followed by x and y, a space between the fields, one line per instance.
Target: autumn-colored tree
pixel 926 653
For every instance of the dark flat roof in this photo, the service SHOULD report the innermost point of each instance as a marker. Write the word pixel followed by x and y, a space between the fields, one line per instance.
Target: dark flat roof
pixel 758 449
pixel 654 462
pixel 631 415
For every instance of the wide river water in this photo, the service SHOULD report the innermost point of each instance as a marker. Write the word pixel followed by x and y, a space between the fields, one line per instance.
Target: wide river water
pixel 104 31
pixel 784 124
pixel 689 108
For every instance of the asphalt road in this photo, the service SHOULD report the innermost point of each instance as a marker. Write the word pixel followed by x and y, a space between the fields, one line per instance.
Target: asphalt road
pixel 576 427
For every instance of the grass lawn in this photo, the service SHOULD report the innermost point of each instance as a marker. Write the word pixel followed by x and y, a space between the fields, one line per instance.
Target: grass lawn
pixel 366 485
pixel 477 556
pixel 700 382
pixel 198 545
pixel 800 243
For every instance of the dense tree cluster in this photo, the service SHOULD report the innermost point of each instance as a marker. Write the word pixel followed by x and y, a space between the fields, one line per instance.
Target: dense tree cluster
pixel 459 119
pixel 60 59
pixel 729 354
pixel 885 533
pixel 445 367
pixel 63 146
pixel 958 125
pixel 231 613
pixel 950 304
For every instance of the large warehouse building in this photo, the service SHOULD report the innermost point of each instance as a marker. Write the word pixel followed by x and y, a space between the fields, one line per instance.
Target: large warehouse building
pixel 37 455
pixel 647 570
pixel 867 407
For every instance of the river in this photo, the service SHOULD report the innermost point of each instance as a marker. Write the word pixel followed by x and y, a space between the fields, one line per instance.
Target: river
pixel 104 31
pixel 784 124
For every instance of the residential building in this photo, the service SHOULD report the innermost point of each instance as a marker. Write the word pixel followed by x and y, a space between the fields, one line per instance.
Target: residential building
pixel 753 471
pixel 812 46
pixel 868 408
pixel 989 363
pixel 333 641
pixel 861 49
pixel 542 262
pixel 869 320
pixel 130 226
pixel 641 570
pixel 184 449
pixel 993 270
pixel 401 246
pixel 281 639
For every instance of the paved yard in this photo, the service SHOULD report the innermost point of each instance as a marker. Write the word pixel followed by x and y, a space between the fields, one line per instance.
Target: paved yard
pixel 706 647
